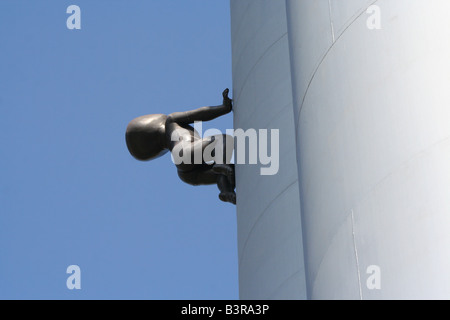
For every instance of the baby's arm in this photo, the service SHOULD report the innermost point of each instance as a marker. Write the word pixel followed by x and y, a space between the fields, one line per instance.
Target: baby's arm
pixel 204 113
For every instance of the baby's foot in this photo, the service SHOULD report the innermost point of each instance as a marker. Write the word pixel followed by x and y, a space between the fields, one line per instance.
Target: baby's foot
pixel 228 197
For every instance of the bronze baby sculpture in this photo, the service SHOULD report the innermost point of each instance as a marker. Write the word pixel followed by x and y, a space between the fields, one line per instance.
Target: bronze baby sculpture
pixel 150 136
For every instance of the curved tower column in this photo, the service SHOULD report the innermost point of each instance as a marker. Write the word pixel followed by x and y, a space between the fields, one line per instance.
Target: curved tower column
pixel 268 207
pixel 372 121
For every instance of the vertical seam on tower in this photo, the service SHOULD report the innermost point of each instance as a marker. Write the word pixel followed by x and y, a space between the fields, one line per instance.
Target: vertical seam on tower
pixel 356 256
pixel 331 21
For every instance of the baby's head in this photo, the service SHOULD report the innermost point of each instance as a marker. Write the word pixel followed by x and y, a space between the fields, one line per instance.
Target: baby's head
pixel 145 137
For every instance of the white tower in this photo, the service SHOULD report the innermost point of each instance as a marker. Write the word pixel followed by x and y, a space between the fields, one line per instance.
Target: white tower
pixel 268 208
pixel 371 128
pixel 372 117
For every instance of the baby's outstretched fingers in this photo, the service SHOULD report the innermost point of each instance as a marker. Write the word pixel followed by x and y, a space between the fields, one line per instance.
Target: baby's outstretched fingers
pixel 225 93
pixel 226 100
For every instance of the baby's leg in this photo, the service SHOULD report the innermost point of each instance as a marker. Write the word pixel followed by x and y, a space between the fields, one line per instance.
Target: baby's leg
pixel 226 170
pixel 200 175
pixel 204 175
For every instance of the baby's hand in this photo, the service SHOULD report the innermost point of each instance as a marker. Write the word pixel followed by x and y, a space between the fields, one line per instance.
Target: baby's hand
pixel 227 102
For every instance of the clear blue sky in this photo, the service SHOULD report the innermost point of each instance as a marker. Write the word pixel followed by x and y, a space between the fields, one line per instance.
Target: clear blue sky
pixel 70 193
